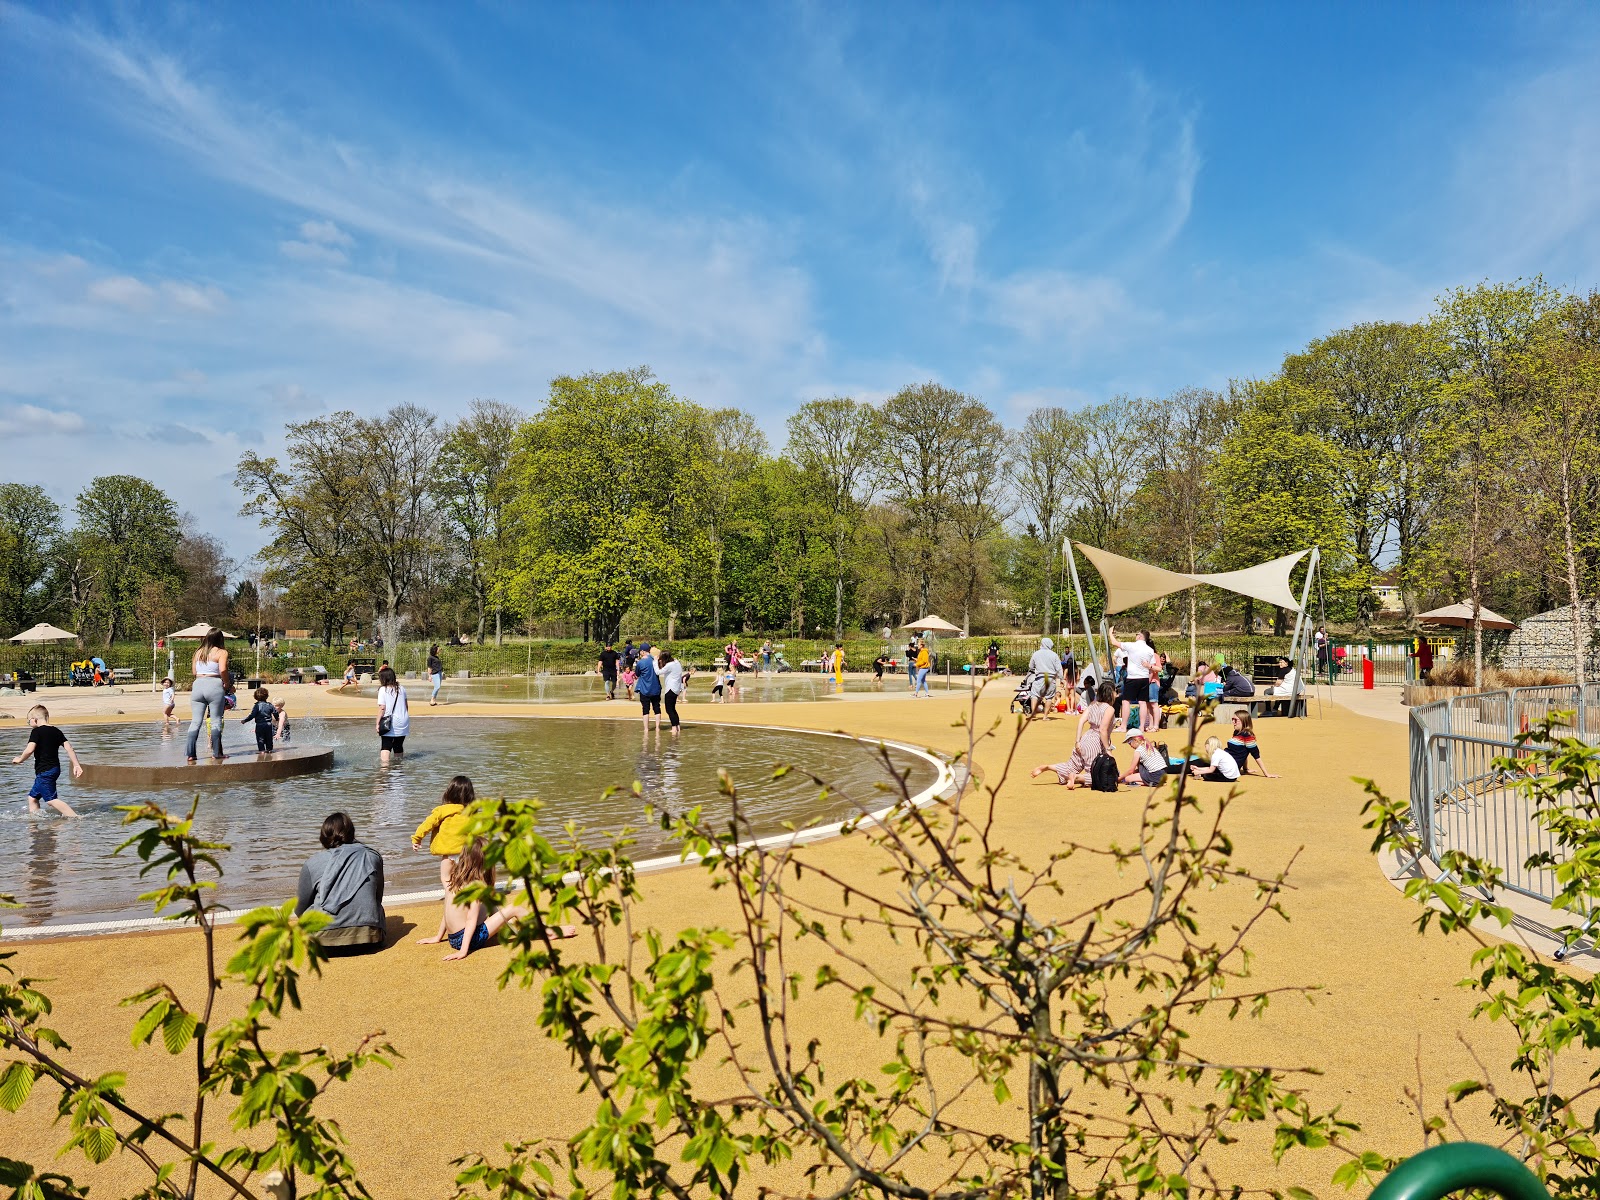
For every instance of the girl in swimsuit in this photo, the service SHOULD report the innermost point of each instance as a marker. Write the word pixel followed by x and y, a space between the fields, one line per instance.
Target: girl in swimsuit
pixel 464 924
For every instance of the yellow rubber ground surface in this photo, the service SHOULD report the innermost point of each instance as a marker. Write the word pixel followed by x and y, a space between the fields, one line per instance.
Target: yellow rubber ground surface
pixel 476 1071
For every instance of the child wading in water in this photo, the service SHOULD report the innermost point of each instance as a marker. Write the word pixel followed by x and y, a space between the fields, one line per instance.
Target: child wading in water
pixel 447 824
pixel 463 924
pixel 169 701
pixel 45 744
pixel 265 718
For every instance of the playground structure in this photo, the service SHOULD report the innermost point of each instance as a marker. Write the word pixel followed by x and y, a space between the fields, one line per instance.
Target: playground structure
pixel 1129 583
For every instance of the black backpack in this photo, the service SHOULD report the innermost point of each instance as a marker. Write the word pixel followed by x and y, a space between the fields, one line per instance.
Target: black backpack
pixel 1103 773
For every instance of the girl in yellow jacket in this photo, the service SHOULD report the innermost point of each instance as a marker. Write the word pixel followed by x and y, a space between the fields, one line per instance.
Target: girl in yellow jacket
pixel 448 825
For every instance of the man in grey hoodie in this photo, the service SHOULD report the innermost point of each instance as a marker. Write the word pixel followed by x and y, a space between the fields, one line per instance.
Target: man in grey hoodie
pixel 345 880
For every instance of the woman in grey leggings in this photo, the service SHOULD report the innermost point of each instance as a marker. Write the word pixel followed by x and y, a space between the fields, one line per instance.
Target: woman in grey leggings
pixel 210 669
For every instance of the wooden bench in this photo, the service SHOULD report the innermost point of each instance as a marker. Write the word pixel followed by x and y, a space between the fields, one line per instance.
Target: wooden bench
pixel 1264 706
pixel 122 674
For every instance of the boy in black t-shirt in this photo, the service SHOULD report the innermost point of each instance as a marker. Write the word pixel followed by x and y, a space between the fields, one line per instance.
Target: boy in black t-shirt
pixel 608 670
pixel 45 743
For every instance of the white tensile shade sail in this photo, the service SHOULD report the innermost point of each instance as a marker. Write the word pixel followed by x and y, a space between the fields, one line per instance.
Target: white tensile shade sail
pixel 1460 615
pixel 43 632
pixel 1267 581
pixel 931 624
pixel 195 633
pixel 1129 582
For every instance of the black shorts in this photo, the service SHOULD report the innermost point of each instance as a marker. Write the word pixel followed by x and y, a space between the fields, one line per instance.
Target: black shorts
pixel 1136 691
pixel 396 744
pixel 650 704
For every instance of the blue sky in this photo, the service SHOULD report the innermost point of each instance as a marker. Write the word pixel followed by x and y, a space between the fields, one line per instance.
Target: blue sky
pixel 216 218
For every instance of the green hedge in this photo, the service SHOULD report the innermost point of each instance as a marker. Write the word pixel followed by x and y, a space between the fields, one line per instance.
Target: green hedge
pixel 566 656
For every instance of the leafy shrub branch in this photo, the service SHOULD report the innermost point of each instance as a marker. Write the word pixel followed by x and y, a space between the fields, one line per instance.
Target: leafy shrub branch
pixel 283 1149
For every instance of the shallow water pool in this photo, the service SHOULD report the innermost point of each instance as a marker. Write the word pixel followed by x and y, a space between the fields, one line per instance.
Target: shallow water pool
pixel 64 871
pixel 578 689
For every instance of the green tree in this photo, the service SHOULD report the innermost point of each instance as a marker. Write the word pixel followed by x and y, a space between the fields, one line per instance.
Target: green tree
pixel 980 505
pixel 597 479
pixel 1039 465
pixel 721 460
pixel 393 512
pixel 315 553
pixel 1559 374
pixel 130 530
pixel 1180 515
pixel 835 442
pixel 472 487
pixel 1373 388
pixel 930 435
pixel 1103 473
pixel 1278 483
pixel 1482 333
pixel 30 527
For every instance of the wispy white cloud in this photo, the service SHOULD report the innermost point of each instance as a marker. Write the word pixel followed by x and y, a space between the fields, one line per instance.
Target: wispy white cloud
pixel 720 282
pixel 30 421
pixel 1061 305
pixel 319 242
pixel 122 291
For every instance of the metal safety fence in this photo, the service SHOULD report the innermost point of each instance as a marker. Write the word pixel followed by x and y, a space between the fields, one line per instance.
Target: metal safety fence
pixel 1463 797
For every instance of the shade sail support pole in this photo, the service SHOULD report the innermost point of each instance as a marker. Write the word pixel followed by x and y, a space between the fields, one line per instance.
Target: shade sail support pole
pixel 1083 609
pixel 1302 624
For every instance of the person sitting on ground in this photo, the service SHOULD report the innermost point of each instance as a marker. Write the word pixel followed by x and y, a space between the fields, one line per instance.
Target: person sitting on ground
pixel 345 880
pixel 1045 664
pixel 1094 738
pixel 1149 761
pixel 1242 745
pixel 464 923
pixel 1221 766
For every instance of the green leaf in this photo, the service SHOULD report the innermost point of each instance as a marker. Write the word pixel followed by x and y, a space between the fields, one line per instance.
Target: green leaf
pixel 99 1143
pixel 178 1029
pixel 15 1085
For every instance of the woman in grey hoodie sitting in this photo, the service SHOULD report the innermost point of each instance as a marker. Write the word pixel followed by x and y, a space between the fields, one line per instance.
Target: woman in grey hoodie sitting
pixel 345 880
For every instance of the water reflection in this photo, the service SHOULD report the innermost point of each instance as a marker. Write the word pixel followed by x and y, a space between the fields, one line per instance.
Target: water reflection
pixel 65 870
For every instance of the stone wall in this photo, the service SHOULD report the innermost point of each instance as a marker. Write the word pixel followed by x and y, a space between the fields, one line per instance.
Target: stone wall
pixel 1544 642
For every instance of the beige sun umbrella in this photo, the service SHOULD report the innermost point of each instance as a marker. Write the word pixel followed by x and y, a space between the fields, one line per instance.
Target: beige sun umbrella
pixel 931 624
pixel 1460 615
pixel 44 632
pixel 195 633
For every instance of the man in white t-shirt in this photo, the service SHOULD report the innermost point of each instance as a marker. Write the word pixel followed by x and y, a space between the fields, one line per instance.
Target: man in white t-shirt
pixel 1136 687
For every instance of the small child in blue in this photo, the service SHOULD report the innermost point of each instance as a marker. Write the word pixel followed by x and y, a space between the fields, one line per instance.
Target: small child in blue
pixel 45 744
pixel 265 717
